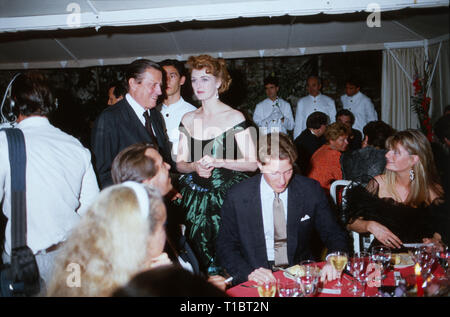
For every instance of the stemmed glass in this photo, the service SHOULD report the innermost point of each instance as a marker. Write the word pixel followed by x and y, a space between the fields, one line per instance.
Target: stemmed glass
pixel 338 260
pixel 358 268
pixel 381 255
pixel 426 258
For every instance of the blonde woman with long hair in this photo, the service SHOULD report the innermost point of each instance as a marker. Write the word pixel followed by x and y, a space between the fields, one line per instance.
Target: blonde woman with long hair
pixel 122 234
pixel 400 205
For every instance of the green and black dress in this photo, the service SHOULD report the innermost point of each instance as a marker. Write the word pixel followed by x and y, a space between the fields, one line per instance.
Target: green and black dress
pixel 203 197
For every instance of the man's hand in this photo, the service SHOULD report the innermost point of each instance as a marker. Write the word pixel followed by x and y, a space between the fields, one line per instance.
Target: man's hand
pixel 262 276
pixel 174 195
pixel 328 273
pixel 218 281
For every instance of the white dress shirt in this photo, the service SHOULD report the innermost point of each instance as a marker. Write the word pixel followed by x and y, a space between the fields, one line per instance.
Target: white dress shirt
pixel 172 117
pixel 267 197
pixel 361 107
pixel 137 108
pixel 60 183
pixel 262 116
pixel 310 104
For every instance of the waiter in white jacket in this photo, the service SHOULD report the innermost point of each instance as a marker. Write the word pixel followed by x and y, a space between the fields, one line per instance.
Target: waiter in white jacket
pixel 359 104
pixel 315 101
pixel 273 114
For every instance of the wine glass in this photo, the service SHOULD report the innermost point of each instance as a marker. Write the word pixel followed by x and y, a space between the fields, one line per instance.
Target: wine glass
pixel 267 289
pixel 338 260
pixel 358 268
pixel 426 260
pixel 382 255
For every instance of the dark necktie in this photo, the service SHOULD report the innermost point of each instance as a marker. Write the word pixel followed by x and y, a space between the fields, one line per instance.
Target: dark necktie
pixel 148 127
pixel 280 236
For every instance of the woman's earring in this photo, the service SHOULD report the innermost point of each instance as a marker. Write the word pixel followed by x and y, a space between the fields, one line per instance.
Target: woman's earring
pixel 411 174
pixel 217 94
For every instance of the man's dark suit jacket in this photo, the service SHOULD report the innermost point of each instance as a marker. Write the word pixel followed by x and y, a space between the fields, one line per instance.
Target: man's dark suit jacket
pixel 307 143
pixel 118 127
pixel 241 244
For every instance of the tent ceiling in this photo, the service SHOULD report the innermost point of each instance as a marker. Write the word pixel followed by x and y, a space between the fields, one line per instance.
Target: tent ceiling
pixel 283 32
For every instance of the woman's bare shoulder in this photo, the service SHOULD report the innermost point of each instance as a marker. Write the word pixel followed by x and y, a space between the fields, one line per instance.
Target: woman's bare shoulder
pixel 189 117
pixel 234 116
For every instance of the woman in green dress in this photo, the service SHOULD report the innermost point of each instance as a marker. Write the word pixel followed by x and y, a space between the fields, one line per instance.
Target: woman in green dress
pixel 215 150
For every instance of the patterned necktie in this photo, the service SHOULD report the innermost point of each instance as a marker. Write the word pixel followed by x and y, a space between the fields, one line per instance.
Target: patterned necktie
pixel 280 235
pixel 148 127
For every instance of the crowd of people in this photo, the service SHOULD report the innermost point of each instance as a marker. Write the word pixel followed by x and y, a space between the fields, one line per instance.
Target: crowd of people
pixel 205 197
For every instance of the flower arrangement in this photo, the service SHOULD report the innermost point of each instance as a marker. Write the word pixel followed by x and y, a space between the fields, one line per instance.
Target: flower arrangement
pixel 420 102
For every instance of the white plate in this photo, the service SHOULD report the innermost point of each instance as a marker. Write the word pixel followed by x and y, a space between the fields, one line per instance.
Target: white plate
pixel 286 274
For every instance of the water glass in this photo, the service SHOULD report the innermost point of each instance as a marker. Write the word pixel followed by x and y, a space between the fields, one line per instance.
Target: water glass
pixel 288 288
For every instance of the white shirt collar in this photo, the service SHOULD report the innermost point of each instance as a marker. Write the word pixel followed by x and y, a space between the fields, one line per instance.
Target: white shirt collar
pixel 33 121
pixel 174 105
pixel 355 96
pixel 318 96
pixel 137 108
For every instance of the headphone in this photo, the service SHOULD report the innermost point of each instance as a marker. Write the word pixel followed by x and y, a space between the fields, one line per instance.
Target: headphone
pixel 10 114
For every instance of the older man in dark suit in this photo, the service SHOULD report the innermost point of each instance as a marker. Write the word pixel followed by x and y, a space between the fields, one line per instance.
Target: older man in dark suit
pixel 256 234
pixel 132 120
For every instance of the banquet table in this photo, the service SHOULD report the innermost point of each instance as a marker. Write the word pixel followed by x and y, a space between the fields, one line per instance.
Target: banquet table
pixel 329 289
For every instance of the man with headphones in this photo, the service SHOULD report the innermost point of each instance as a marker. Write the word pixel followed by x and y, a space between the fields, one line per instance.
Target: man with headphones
pixel 60 179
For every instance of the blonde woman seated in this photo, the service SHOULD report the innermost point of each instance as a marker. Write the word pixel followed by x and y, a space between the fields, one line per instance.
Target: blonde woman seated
pixel 400 205
pixel 122 234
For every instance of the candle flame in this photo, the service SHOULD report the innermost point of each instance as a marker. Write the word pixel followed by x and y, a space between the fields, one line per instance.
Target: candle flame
pixel 417 269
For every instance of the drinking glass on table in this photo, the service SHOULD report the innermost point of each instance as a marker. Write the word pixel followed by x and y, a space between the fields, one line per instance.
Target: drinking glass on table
pixel 425 257
pixel 339 261
pixel 287 288
pixel 358 268
pixel 382 255
pixel 308 280
pixel 267 289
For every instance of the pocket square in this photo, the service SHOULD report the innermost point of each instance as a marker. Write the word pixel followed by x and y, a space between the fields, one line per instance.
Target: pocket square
pixel 306 217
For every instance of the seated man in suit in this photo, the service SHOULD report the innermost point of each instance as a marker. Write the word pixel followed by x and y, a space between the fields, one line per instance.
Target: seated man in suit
pixel 256 234
pixel 132 120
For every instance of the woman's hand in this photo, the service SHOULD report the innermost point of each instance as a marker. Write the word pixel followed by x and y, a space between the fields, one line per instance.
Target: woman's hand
pixel 209 161
pixel 384 235
pixel 436 240
pixel 202 170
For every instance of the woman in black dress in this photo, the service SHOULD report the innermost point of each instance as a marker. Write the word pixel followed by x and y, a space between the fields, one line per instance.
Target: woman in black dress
pixel 400 205
pixel 215 150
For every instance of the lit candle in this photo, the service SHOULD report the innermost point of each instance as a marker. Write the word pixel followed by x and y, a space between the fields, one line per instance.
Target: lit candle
pixel 419 280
